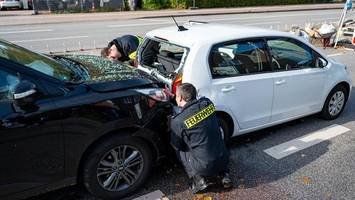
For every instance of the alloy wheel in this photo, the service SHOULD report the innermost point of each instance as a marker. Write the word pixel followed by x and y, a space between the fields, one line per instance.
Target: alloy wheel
pixel 120 168
pixel 336 103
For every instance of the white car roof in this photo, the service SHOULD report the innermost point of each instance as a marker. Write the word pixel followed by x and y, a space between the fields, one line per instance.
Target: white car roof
pixel 210 33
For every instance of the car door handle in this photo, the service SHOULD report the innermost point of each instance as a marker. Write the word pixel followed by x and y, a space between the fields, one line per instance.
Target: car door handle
pixel 228 89
pixel 280 82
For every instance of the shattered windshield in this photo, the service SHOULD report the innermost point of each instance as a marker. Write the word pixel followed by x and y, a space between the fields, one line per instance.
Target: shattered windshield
pixel 102 69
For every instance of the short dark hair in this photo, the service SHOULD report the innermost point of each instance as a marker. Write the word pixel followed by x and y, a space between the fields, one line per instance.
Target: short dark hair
pixel 187 91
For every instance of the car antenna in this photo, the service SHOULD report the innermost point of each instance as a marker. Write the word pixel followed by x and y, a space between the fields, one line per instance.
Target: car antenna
pixel 180 28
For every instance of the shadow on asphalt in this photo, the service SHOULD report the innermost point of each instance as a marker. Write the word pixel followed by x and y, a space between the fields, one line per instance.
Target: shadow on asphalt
pixel 253 167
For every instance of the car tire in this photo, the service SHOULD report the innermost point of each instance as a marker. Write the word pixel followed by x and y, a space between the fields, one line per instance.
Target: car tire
pixel 335 103
pixel 225 130
pixel 105 179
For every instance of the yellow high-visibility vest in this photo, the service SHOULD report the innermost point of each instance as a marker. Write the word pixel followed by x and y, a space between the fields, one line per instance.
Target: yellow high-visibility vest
pixel 133 55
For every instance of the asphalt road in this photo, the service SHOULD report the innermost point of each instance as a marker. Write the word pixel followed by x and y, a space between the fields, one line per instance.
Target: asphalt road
pixel 60 37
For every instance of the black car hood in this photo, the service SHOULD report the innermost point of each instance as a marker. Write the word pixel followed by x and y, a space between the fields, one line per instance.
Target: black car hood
pixel 105 75
pixel 118 85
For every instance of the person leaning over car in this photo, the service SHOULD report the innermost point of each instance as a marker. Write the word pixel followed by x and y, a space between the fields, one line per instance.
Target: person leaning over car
pixel 197 139
pixel 123 49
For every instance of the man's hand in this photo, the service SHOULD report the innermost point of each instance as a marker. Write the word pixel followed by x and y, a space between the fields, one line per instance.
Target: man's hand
pixel 134 63
pixel 168 92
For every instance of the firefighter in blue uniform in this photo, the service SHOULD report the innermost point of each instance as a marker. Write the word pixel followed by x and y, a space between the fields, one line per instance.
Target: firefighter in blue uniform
pixel 197 139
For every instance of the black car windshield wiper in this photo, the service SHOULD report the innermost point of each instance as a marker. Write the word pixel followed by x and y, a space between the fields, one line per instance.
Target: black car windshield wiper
pixel 76 79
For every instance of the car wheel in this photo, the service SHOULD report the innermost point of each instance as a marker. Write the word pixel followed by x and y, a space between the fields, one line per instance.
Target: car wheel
pixel 224 129
pixel 117 167
pixel 334 103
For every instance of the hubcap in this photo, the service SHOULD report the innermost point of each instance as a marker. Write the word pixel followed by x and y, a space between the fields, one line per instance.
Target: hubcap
pixel 336 103
pixel 119 168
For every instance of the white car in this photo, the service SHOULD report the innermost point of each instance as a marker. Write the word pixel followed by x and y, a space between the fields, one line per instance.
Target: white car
pixel 4 4
pixel 256 78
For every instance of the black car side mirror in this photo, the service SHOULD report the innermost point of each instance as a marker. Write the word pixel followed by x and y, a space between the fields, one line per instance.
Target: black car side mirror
pixel 24 96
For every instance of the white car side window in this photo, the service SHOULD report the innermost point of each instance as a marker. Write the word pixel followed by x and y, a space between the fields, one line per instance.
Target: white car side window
pixel 288 54
pixel 240 58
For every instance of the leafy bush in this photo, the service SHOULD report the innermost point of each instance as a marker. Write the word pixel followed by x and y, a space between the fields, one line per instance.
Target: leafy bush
pixel 182 4
pixel 156 4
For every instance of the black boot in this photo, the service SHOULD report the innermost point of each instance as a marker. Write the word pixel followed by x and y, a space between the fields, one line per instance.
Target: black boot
pixel 225 180
pixel 199 184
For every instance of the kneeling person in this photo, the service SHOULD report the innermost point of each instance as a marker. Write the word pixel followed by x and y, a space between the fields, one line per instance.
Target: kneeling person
pixel 197 139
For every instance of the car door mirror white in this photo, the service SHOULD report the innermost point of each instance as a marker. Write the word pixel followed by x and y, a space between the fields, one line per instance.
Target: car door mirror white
pixel 320 62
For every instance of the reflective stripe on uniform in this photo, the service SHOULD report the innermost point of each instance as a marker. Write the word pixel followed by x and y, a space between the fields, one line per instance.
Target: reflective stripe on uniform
pixel 140 39
pixel 133 55
pixel 200 116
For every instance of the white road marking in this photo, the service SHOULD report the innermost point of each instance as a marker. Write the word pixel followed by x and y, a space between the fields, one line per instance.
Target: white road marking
pixel 140 24
pixel 155 20
pixel 49 39
pixel 26 31
pixel 156 195
pixel 264 23
pixel 298 144
pixel 324 19
pixel 336 54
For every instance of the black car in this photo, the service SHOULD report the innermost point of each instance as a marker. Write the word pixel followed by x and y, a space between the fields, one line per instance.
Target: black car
pixel 77 119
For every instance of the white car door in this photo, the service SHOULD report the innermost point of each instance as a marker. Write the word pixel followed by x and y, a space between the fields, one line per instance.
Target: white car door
pixel 242 82
pixel 298 82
